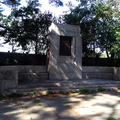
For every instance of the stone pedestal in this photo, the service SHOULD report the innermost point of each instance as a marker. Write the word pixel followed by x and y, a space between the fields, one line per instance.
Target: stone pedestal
pixel 65 52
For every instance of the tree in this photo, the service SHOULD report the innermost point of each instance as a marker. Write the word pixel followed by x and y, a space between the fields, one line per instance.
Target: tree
pixel 116 47
pixel 10 2
pixel 98 22
pixel 81 16
pixel 13 4
pixel 107 24
pixel 28 27
pixel 56 2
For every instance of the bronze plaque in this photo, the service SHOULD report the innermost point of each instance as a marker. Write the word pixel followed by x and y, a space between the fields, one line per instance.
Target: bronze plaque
pixel 65 46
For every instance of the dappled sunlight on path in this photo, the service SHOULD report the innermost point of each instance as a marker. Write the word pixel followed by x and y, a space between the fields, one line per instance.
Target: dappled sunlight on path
pixel 97 106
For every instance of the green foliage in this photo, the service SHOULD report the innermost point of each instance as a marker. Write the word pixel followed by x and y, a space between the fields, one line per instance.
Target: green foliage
pixel 101 89
pixel 27 27
pixel 49 92
pixel 36 100
pixel 39 104
pixel 38 89
pixel 100 26
pixel 61 92
pixel 111 118
pixel 84 91
pixel 69 92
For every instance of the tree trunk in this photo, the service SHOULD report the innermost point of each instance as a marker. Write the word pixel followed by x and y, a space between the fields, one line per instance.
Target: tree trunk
pixel 107 54
pixel 36 48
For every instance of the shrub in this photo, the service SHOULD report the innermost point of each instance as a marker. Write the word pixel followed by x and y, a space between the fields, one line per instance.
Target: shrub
pixel 49 92
pixel 61 92
pixel 111 118
pixel 101 89
pixel 84 91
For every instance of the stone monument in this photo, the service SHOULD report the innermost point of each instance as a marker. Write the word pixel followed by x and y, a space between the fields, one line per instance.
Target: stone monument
pixel 65 52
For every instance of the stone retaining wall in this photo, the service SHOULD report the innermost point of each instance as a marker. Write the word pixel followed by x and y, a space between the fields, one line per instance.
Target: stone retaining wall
pixel 22 68
pixel 97 72
pixel 10 75
pixel 117 73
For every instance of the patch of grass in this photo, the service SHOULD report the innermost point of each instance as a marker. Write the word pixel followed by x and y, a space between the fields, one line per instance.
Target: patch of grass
pixel 81 91
pixel 36 100
pixel 35 93
pixel 68 92
pixel 68 106
pixel 49 92
pixel 92 91
pixel 60 92
pixel 84 91
pixel 111 118
pixel 38 89
pixel 39 104
pixel 101 89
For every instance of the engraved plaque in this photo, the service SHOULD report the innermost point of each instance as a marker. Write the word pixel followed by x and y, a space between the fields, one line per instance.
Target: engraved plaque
pixel 65 46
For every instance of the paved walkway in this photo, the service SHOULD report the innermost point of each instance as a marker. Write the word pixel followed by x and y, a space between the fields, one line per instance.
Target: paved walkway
pixel 97 106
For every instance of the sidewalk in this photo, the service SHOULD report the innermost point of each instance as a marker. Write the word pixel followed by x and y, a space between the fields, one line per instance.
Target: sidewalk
pixel 99 106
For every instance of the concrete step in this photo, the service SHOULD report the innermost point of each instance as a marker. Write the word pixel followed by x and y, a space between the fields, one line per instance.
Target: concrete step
pixel 68 84
pixel 33 91
pixel 65 86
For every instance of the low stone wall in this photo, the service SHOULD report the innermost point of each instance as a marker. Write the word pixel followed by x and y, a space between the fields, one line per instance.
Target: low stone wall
pixel 30 68
pixel 10 75
pixel 116 73
pixel 96 72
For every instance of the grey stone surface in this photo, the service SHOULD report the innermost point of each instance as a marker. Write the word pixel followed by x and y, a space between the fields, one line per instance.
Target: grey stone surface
pixel 7 75
pixel 97 69
pixel 117 73
pixel 10 75
pixel 96 72
pixel 20 68
pixel 8 79
pixel 11 110
pixel 99 106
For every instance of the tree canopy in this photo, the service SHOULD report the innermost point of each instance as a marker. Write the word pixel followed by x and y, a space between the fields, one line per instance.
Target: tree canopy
pixel 56 2
pixel 100 23
pixel 99 20
pixel 27 27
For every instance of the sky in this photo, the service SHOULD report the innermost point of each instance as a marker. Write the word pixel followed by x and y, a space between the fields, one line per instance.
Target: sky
pixel 56 11
pixel 47 7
